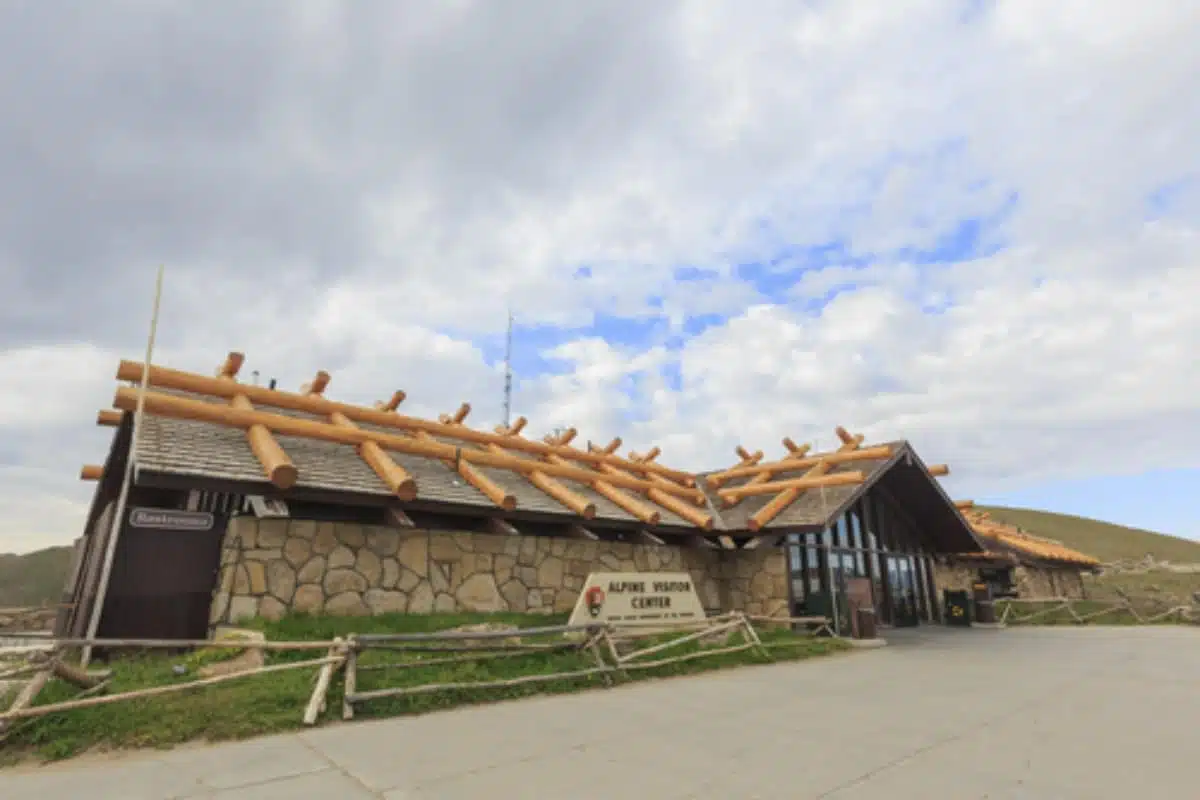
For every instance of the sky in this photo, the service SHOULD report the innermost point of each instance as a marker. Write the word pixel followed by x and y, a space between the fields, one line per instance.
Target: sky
pixel 973 225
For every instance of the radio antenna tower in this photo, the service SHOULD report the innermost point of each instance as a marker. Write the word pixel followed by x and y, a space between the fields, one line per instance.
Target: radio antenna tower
pixel 508 372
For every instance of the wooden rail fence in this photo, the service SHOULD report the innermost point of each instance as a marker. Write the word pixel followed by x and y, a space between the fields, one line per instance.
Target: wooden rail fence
pixel 1070 609
pixel 612 654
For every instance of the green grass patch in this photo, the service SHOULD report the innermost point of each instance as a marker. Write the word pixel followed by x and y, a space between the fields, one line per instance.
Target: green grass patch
pixel 275 702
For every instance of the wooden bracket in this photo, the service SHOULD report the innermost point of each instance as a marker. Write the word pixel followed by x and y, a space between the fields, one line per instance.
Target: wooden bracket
pixel 502 527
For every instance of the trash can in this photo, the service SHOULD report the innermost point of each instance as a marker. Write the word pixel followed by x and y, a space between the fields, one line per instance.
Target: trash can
pixel 958 607
pixel 867 629
pixel 985 607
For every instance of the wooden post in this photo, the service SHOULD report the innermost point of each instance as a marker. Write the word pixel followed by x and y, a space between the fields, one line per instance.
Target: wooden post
pixel 123 498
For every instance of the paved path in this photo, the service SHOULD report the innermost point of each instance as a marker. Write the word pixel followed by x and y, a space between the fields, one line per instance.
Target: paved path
pixel 1089 713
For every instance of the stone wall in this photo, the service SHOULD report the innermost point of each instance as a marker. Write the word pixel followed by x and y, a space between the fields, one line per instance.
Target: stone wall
pixel 1036 583
pixel 271 566
pixel 25 619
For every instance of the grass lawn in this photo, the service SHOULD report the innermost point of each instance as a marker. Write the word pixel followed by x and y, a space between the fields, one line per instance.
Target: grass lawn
pixel 275 702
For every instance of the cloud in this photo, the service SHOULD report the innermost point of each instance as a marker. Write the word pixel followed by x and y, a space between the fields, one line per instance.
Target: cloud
pixel 969 223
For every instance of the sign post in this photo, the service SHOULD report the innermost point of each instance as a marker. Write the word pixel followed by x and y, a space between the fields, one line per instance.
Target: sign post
pixel 638 600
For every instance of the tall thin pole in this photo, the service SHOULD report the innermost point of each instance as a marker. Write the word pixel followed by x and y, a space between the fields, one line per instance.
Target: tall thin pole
pixel 508 372
pixel 123 497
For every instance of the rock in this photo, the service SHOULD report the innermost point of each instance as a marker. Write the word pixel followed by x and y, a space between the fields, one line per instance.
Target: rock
pixel 414 553
pixel 313 571
pixel 247 660
pixel 297 550
pixel 281 580
pixel 439 576
pixel 270 608
pixel 325 539
pixel 391 573
pixel 408 580
pixel 341 557
pixel 309 599
pixel 515 594
pixel 382 601
pixel 271 533
pixel 383 542
pixel 442 547
pixel 504 566
pixel 550 572
pixel 219 607
pixel 246 532
pixel 346 604
pixel 369 566
pixel 420 599
pixel 528 553
pixel 479 593
pixel 527 576
pixel 257 573
pixel 444 604
pixel 339 581
pixel 241 580
pixel 351 535
pixel 242 608
pixel 533 600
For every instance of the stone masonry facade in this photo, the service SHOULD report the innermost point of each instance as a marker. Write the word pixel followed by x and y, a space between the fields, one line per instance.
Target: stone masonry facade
pixel 1031 583
pixel 271 566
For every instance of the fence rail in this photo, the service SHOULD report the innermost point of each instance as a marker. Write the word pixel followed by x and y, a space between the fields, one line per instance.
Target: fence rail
pixel 606 651
pixel 1068 610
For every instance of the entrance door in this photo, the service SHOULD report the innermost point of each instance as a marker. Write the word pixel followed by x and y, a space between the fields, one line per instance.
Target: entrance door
pixel 902 589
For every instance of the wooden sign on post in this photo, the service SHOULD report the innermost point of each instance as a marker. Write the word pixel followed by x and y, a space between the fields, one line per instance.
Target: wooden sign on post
pixel 637 599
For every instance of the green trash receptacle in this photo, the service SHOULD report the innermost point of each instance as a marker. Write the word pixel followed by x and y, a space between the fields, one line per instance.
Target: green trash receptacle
pixel 958 608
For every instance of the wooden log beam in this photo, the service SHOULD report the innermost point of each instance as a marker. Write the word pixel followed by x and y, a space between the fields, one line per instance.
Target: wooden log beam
pixel 877 453
pixel 643 536
pixel 457 417
pixel 644 513
pixel 778 504
pixel 275 462
pixel 514 429
pixel 748 458
pixel 176 407
pixel 501 527
pixel 795 452
pixel 166 378
pixel 577 531
pixel 91 472
pixel 394 476
pixel 486 486
pixel 817 482
pixel 574 502
pixel 231 366
pixel 659 495
pixel 939 470
pixel 397 517
pixel 316 387
pixel 611 447
pixel 109 419
pixel 393 403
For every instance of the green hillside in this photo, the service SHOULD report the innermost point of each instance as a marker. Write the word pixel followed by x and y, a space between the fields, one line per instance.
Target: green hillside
pixel 1104 540
pixel 33 579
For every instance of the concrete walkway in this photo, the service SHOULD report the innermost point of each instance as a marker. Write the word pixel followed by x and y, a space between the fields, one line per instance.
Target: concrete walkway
pixel 1048 713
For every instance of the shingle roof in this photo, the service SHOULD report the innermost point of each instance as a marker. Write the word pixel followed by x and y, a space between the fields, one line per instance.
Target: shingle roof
pixel 182 434
pixel 1025 546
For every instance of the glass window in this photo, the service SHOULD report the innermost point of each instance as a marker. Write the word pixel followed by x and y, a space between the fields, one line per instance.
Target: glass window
pixel 882 525
pixel 843 531
pixel 794 558
pixel 868 521
pixel 860 564
pixel 856 527
pixel 827 537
